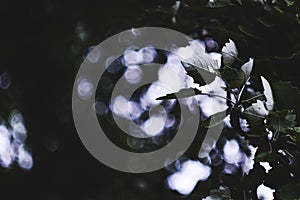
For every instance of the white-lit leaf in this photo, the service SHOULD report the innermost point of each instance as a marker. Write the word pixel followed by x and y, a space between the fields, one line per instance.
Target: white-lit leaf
pixel 268 93
pixel 257 108
pixel 229 52
pixel 247 68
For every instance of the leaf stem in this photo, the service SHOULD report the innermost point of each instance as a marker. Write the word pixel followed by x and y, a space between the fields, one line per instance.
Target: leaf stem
pixel 257 96
pixel 215 95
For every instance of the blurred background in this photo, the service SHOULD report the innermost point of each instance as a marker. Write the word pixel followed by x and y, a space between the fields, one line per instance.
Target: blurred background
pixel 42 44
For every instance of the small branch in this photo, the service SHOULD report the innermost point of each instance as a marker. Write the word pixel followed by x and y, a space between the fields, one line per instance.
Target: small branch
pixel 215 95
pixel 255 97
pixel 243 88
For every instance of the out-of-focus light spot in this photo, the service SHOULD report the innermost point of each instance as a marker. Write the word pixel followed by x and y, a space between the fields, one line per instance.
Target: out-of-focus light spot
pixel 81 32
pixel 232 153
pixel 270 134
pixel 106 83
pixel 52 143
pixel 154 125
pixel 148 54
pixel 170 121
pixel 24 158
pixel 85 89
pixel 19 131
pixel 230 168
pixel 264 193
pixel 185 180
pixel 266 166
pixel 120 106
pixel 171 78
pixel 126 109
pixel 248 163
pixel 4 81
pixel 154 91
pixel 244 125
pixel 135 143
pixel 212 105
pixel 133 74
pixel 211 45
pixel 94 55
pixel 281 152
pixel 128 38
pixel 132 57
pixel 6 153
pixel 100 108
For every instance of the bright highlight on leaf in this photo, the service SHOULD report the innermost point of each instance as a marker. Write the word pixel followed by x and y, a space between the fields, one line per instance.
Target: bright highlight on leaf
pixel 229 52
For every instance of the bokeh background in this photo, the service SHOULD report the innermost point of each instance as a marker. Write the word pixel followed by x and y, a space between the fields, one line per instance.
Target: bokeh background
pixel 42 44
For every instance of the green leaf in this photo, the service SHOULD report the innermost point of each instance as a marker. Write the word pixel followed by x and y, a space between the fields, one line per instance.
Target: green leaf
pixel 289 191
pixel 281 121
pixel 223 193
pixel 229 53
pixel 268 93
pixel 286 96
pixel 247 68
pixel 265 22
pixel 233 78
pixel 215 119
pixel 289 2
pixel 249 30
pixel 219 3
pixel 186 92
pixel 201 76
pixel 296 129
pixel 267 156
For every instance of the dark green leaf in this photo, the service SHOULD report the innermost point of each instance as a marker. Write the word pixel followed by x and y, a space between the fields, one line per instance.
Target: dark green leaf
pixel 219 3
pixel 249 30
pixel 247 68
pixel 223 193
pixel 264 21
pixel 289 191
pixel 233 78
pixel 289 2
pixel 201 76
pixel 267 156
pixel 215 119
pixel 186 92
pixel 281 121
pixel 286 96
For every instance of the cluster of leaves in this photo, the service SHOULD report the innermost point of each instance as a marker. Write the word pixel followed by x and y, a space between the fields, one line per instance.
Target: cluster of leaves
pixel 270 124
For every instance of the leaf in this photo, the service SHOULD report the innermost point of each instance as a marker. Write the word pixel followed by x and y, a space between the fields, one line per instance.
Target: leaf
pixel 257 108
pixel 229 53
pixel 286 96
pixel 289 191
pixel 281 121
pixel 265 22
pixel 249 31
pixel 267 156
pixel 268 94
pixel 201 76
pixel 289 2
pixel 219 3
pixel 186 92
pixel 215 119
pixel 233 78
pixel 247 68
pixel 296 129
pixel 223 193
